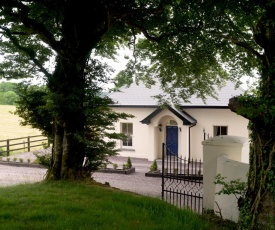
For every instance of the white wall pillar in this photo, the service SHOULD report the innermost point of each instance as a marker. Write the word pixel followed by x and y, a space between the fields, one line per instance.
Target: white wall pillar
pixel 232 170
pixel 232 147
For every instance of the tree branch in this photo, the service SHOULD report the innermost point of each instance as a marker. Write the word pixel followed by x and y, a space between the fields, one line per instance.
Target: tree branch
pixel 22 16
pixel 242 44
pixel 30 52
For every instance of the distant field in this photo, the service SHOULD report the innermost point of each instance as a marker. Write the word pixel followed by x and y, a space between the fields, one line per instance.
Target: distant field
pixel 10 128
pixel 10 125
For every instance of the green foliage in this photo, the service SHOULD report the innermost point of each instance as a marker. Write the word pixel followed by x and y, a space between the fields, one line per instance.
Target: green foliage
pixel 100 119
pixel 7 86
pixel 44 159
pixel 235 187
pixel 8 95
pixel 129 163
pixel 33 107
pixel 193 52
pixel 8 98
pixel 154 166
pixel 45 145
pixel 115 166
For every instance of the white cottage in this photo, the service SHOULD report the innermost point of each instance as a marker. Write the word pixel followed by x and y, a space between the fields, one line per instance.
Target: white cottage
pixel 182 130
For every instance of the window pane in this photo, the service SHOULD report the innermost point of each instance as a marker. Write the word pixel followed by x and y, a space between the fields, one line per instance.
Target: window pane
pixel 223 130
pixel 130 141
pixel 127 129
pixel 124 128
pixel 216 131
pixel 130 128
pixel 220 130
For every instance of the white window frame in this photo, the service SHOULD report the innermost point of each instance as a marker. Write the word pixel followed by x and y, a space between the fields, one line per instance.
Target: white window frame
pixel 220 130
pixel 129 142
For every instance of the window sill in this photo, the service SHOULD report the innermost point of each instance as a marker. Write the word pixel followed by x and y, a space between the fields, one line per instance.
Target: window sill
pixel 127 149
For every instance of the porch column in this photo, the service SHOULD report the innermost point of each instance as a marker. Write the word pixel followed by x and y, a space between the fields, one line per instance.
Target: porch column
pixel 154 143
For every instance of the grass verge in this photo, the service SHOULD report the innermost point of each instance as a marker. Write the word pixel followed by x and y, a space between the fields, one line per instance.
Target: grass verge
pixel 68 205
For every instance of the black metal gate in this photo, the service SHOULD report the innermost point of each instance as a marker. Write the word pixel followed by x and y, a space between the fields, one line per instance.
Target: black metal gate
pixel 182 181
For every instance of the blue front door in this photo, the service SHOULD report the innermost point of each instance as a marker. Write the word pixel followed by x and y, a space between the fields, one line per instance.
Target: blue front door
pixel 172 139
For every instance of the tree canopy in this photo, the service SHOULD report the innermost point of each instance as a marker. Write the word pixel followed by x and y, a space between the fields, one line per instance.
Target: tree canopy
pixel 8 95
pixel 188 46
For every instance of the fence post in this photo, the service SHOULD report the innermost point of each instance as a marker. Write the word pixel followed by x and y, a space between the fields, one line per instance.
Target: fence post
pixel 8 147
pixel 162 176
pixel 29 144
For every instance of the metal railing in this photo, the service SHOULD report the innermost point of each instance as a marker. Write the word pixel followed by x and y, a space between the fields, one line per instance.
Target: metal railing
pixel 182 181
pixel 22 143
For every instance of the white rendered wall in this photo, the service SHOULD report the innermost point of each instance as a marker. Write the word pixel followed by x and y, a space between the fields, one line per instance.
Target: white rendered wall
pixel 230 146
pixel 147 139
pixel 207 119
pixel 232 170
pixel 141 134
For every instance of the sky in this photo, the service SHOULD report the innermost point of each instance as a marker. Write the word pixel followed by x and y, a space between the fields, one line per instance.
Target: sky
pixel 121 62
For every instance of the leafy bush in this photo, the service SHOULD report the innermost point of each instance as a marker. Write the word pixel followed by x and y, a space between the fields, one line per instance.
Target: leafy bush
pixel 115 166
pixel 129 163
pixel 154 166
pixel 43 159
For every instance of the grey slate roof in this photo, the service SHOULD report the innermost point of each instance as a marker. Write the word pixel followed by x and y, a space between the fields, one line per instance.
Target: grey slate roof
pixel 141 96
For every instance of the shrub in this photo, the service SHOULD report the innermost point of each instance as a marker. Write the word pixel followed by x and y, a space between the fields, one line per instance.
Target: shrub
pixel 21 160
pixel 104 166
pixel 115 166
pixel 14 159
pixel 44 159
pixel 154 166
pixel 45 145
pixel 129 163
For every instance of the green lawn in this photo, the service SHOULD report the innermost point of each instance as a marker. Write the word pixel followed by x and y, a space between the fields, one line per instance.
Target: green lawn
pixel 68 205
pixel 10 125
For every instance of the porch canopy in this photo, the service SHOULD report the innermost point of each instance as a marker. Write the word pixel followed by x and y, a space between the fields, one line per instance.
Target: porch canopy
pixel 185 117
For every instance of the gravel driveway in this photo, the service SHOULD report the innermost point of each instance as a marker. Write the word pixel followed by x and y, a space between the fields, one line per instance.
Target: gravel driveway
pixel 135 182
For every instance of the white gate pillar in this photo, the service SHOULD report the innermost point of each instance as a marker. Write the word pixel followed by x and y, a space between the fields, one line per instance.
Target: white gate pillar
pixel 233 147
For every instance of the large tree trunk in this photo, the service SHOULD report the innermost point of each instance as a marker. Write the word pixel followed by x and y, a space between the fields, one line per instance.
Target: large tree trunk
pixel 258 211
pixel 68 85
pixel 68 94
pixel 260 201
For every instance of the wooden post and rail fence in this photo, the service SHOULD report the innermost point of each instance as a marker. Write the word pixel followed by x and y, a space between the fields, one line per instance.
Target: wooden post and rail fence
pixel 22 143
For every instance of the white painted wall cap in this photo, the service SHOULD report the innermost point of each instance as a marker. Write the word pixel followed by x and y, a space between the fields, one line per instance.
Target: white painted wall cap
pixel 226 139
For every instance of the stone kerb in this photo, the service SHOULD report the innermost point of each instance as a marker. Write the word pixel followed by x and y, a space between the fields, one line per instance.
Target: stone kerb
pixel 233 147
